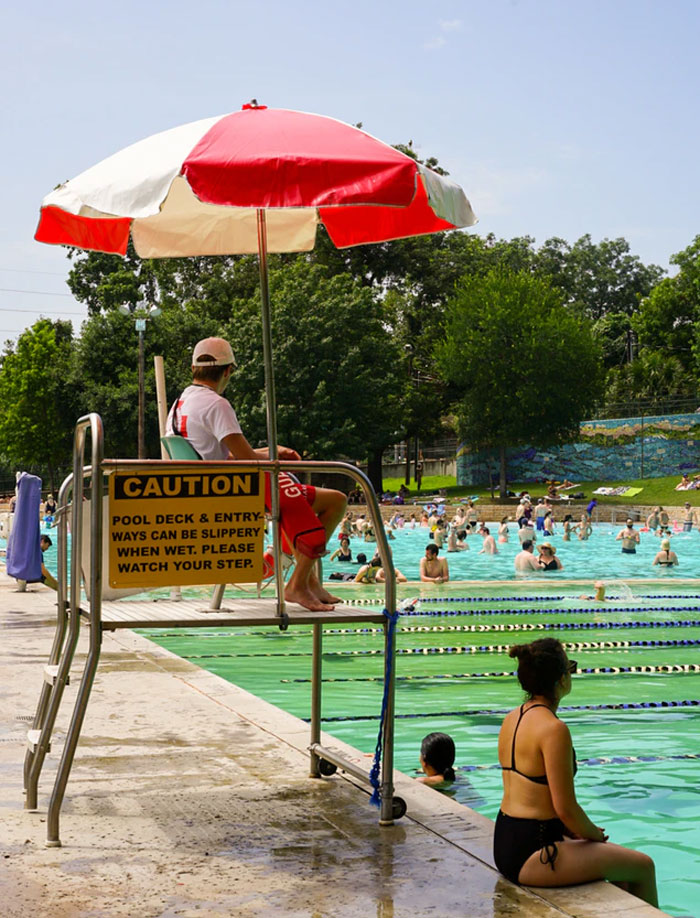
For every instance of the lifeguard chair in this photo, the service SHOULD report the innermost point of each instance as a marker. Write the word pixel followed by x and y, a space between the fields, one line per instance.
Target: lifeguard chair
pixel 140 505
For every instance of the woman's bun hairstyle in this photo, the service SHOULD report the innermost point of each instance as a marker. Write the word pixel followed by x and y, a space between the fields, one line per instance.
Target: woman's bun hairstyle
pixel 541 665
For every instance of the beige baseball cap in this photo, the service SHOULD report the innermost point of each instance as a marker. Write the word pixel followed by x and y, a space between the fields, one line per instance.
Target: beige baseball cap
pixel 213 352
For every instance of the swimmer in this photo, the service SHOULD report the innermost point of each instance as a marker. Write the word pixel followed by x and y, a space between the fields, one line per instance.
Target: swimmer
pixel 525 560
pixel 688 517
pixel 437 756
pixel 456 539
pixel 489 546
pixel 548 560
pixel 548 524
pixel 400 578
pixel 503 529
pixel 630 538
pixel 599 595
pixel 585 528
pixel 432 568
pixel 666 557
pixel 568 527
pixel 368 572
pixel 343 553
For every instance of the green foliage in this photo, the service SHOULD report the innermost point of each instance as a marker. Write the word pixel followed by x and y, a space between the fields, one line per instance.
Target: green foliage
pixel 338 388
pixel 669 318
pixel 653 377
pixel 598 279
pixel 37 407
pixel 524 368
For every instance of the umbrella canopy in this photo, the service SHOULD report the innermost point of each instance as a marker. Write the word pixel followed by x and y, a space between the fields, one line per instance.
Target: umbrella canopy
pixel 196 190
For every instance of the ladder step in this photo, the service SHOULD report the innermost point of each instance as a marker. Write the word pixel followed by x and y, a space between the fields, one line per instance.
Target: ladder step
pixel 33 737
pixel 51 674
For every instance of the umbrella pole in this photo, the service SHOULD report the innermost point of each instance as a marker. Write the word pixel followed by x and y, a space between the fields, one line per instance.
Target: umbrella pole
pixel 271 407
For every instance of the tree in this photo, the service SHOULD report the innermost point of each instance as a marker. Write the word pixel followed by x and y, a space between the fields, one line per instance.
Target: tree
pixel 669 318
pixel 37 404
pixel 105 371
pixel 598 278
pixel 338 374
pixel 653 377
pixel 523 367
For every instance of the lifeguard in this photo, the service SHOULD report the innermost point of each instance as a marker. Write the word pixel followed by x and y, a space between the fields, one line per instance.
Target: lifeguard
pixel 308 515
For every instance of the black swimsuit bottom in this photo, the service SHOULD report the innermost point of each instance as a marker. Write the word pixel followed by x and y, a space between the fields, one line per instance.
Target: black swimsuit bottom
pixel 514 840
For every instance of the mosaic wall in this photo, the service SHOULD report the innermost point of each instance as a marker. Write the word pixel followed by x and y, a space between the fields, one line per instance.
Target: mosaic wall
pixel 610 450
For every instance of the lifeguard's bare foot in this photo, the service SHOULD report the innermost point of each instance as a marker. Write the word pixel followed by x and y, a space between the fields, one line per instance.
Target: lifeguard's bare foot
pixel 307 599
pixel 325 596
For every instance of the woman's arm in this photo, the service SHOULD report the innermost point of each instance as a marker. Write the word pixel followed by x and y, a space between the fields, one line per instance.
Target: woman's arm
pixel 558 757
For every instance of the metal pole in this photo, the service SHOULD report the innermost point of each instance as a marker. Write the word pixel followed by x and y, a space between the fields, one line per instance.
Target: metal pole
pixel 316 697
pixel 271 406
pixel 142 386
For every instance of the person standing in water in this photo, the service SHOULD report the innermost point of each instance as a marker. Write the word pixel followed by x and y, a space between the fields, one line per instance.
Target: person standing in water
pixel 629 537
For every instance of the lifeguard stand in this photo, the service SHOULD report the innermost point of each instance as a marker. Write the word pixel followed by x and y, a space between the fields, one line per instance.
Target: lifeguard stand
pixel 108 609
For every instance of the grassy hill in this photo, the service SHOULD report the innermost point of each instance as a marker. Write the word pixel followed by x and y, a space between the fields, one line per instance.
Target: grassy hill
pixel 654 490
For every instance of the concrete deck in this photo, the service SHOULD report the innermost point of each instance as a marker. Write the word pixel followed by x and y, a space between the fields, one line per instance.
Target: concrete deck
pixel 190 797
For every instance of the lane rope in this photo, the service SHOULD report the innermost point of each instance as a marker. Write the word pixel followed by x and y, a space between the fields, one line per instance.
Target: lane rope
pixel 438 629
pixel 585 610
pixel 426 651
pixel 600 760
pixel 591 671
pixel 501 712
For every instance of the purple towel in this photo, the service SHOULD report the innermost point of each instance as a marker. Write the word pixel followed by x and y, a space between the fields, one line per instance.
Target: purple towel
pixel 23 548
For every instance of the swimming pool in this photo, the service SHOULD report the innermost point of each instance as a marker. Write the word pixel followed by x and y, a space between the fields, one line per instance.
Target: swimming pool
pixel 598 557
pixel 636 730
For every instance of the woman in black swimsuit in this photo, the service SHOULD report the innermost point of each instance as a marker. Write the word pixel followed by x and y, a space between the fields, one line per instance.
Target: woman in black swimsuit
pixel 543 837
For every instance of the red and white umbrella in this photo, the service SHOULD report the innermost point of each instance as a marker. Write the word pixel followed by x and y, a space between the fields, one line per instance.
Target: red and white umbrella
pixel 196 190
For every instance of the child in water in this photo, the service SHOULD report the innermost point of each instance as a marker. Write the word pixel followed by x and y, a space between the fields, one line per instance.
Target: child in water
pixel 437 756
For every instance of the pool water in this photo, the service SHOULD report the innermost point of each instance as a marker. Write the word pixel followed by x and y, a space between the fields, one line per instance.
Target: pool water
pixel 637 733
pixel 598 557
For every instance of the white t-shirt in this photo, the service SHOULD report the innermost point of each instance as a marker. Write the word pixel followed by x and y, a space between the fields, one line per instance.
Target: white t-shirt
pixel 204 418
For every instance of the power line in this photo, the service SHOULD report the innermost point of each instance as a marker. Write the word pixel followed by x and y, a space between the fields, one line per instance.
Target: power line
pixel 38 292
pixel 32 271
pixel 61 312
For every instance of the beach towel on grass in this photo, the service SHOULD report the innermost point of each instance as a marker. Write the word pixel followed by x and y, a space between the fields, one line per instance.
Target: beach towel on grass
pixel 23 549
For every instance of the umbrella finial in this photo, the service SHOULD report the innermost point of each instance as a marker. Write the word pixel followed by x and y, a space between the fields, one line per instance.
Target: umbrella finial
pixel 252 104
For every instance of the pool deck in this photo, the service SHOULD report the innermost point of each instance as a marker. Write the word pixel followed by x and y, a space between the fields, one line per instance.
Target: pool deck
pixel 190 797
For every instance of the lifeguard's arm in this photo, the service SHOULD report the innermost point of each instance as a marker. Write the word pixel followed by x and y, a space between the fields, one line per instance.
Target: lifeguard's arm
pixel 239 448
pixel 558 762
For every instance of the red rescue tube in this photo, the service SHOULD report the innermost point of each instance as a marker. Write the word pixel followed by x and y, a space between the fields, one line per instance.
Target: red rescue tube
pixel 300 524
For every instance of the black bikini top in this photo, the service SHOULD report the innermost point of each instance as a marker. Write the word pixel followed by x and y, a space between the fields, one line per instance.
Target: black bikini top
pixel 538 779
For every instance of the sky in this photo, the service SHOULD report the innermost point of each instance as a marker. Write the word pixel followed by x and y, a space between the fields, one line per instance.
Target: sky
pixel 558 118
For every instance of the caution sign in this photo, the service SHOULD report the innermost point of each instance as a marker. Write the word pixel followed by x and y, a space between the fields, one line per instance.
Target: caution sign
pixel 176 528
